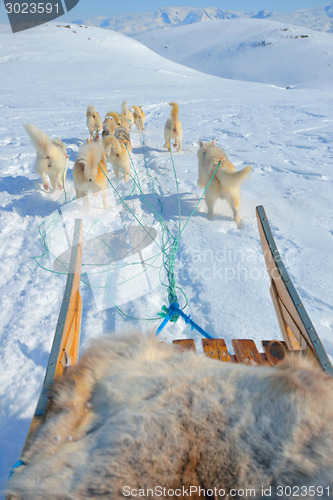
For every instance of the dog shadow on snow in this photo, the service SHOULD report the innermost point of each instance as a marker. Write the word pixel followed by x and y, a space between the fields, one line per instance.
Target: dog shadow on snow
pixel 169 206
pixel 27 199
pixel 148 149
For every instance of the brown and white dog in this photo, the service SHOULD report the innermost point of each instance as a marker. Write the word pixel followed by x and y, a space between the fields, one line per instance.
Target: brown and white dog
pixel 173 128
pixel 51 157
pixel 135 416
pixel 118 155
pixel 108 128
pixel 90 172
pixel 120 120
pixel 94 122
pixel 226 182
pixel 128 114
pixel 139 118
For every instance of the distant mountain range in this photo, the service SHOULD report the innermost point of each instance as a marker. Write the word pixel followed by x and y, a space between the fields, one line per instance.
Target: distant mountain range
pixel 319 19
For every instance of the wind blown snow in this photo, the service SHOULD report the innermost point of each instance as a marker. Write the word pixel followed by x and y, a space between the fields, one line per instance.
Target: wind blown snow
pixel 49 77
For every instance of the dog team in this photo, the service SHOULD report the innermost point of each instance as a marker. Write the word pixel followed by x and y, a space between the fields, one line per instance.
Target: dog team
pixel 216 174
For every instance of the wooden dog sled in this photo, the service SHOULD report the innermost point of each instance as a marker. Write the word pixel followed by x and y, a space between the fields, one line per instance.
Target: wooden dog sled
pixel 298 332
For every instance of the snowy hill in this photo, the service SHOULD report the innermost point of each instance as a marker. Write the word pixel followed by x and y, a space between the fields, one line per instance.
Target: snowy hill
pixel 249 49
pixel 49 76
pixel 320 19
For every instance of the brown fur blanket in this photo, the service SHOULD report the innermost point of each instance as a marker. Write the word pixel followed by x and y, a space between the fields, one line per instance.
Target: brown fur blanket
pixel 135 418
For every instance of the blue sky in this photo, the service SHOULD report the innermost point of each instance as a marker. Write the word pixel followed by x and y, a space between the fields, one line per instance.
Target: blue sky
pixel 88 8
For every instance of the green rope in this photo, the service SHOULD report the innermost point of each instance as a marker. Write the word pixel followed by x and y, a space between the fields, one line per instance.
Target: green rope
pixel 176 178
pixel 170 242
pixel 149 174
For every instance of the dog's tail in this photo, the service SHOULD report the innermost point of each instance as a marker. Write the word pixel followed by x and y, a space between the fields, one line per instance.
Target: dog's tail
pixel 115 117
pixel 91 153
pixel 98 122
pixel 137 111
pixel 174 111
pixel 124 108
pixel 91 111
pixel 232 179
pixel 40 140
pixel 91 124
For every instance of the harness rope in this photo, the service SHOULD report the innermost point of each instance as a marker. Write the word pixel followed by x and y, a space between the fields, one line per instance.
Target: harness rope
pixel 169 247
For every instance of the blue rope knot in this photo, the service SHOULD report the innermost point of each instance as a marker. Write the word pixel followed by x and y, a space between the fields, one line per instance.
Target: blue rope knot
pixel 174 311
pixel 170 313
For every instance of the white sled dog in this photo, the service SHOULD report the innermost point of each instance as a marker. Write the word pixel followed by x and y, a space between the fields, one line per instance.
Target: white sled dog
pixel 90 171
pixel 94 122
pixel 173 128
pixel 226 181
pixel 51 158
pixel 136 414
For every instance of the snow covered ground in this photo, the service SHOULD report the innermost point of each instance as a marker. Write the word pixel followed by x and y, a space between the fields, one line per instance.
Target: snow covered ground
pixel 249 49
pixel 49 77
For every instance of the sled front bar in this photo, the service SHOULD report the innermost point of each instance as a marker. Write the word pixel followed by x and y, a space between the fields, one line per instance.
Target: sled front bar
pixel 294 321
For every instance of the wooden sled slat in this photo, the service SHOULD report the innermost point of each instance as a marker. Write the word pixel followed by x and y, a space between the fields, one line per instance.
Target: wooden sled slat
pixel 65 347
pixel 289 298
pixel 185 344
pixel 246 352
pixel 216 349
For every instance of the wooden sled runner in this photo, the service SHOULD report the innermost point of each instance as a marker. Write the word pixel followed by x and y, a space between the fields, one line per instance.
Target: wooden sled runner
pixel 65 347
pixel 298 332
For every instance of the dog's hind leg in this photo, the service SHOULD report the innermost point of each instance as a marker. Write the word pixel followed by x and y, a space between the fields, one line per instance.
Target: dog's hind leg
pixel 127 172
pixel 234 202
pixel 117 171
pixel 82 194
pixel 54 180
pixel 201 178
pixel 60 180
pixel 45 180
pixel 210 199
pixel 178 143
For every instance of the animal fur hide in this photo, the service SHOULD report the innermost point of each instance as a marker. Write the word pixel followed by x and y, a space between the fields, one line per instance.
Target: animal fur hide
pixel 135 415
